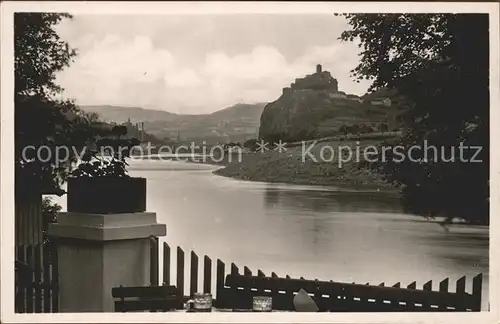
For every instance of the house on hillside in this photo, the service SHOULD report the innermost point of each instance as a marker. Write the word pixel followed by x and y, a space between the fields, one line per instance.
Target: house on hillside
pixel 135 130
pixel 354 97
pixel 337 95
pixel 381 102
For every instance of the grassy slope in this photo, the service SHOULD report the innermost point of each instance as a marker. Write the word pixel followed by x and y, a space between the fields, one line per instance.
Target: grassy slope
pixel 290 167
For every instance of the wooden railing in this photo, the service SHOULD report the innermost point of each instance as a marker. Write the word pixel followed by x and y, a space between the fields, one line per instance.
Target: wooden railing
pixel 350 296
pixel 180 269
pixel 239 290
pixel 36 279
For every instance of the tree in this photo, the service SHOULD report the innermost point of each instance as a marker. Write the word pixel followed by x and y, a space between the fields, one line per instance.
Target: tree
pixel 49 214
pixel 40 120
pixel 383 127
pixel 45 125
pixel 344 130
pixel 251 144
pixel 440 64
pixel 119 130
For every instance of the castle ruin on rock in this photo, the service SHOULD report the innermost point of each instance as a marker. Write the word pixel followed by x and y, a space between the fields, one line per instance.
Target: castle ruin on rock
pixel 319 81
pixel 324 82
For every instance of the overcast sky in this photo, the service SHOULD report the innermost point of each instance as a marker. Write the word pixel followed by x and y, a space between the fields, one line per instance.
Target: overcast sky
pixel 200 63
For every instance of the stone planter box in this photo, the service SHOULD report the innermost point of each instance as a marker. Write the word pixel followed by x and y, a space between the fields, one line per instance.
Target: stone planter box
pixel 106 195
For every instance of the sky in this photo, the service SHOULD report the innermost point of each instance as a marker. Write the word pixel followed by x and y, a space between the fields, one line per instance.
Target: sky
pixel 195 64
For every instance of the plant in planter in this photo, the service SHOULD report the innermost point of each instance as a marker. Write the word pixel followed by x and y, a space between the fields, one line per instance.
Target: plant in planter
pixel 101 184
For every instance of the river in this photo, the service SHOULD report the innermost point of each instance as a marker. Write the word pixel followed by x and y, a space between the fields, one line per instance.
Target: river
pixel 309 231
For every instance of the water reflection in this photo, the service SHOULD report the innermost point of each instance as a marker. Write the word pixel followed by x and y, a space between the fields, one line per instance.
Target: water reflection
pixel 317 200
pixel 308 231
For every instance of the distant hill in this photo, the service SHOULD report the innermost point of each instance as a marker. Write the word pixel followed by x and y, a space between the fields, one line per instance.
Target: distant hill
pixel 232 124
pixel 120 114
pixel 238 111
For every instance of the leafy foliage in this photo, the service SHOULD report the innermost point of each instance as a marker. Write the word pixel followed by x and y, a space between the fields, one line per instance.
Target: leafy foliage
pixel 383 127
pixel 440 64
pixel 251 144
pixel 106 157
pixel 49 214
pixel 45 124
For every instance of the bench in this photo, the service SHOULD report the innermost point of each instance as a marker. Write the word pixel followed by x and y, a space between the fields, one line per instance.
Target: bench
pixel 149 298
pixel 239 290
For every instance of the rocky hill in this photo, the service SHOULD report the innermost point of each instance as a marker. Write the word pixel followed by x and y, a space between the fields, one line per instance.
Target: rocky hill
pixel 313 107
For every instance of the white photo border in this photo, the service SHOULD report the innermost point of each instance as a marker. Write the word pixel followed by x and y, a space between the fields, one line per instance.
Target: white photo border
pixel 203 8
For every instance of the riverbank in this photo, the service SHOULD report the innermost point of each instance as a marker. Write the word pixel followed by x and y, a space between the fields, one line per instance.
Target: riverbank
pixel 311 163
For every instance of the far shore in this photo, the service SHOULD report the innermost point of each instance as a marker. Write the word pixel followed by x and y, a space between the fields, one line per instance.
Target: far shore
pixel 287 167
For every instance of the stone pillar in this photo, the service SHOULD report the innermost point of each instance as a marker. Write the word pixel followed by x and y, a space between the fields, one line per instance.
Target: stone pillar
pixel 97 252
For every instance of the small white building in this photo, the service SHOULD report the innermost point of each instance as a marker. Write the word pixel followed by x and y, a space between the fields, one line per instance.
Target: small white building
pixel 354 98
pixel 338 95
pixel 381 102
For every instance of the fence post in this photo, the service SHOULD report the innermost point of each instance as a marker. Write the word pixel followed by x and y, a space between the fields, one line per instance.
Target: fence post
pixel 234 288
pixel 166 264
pixel 427 286
pixel 180 270
pixel 220 282
pixel 246 271
pixel 207 275
pixel 334 297
pixel 477 287
pixel 443 287
pixel 38 278
pixel 21 282
pixel 395 302
pixel 54 281
pixel 154 264
pixel 47 288
pixel 411 304
pixel 379 302
pixel 317 294
pixel 194 273
pixel 234 269
pixel 460 289
pixel 260 274
pixel 30 286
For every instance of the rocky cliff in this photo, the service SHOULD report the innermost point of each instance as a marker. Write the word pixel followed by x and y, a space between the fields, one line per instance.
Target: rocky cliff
pixel 295 115
pixel 314 108
pixel 308 114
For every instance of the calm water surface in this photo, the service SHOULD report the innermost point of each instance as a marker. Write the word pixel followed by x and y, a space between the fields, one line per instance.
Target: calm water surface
pixel 309 231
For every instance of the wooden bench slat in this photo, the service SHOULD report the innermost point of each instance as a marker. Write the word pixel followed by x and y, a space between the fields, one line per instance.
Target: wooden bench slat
pixel 148 291
pixel 149 298
pixel 165 304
